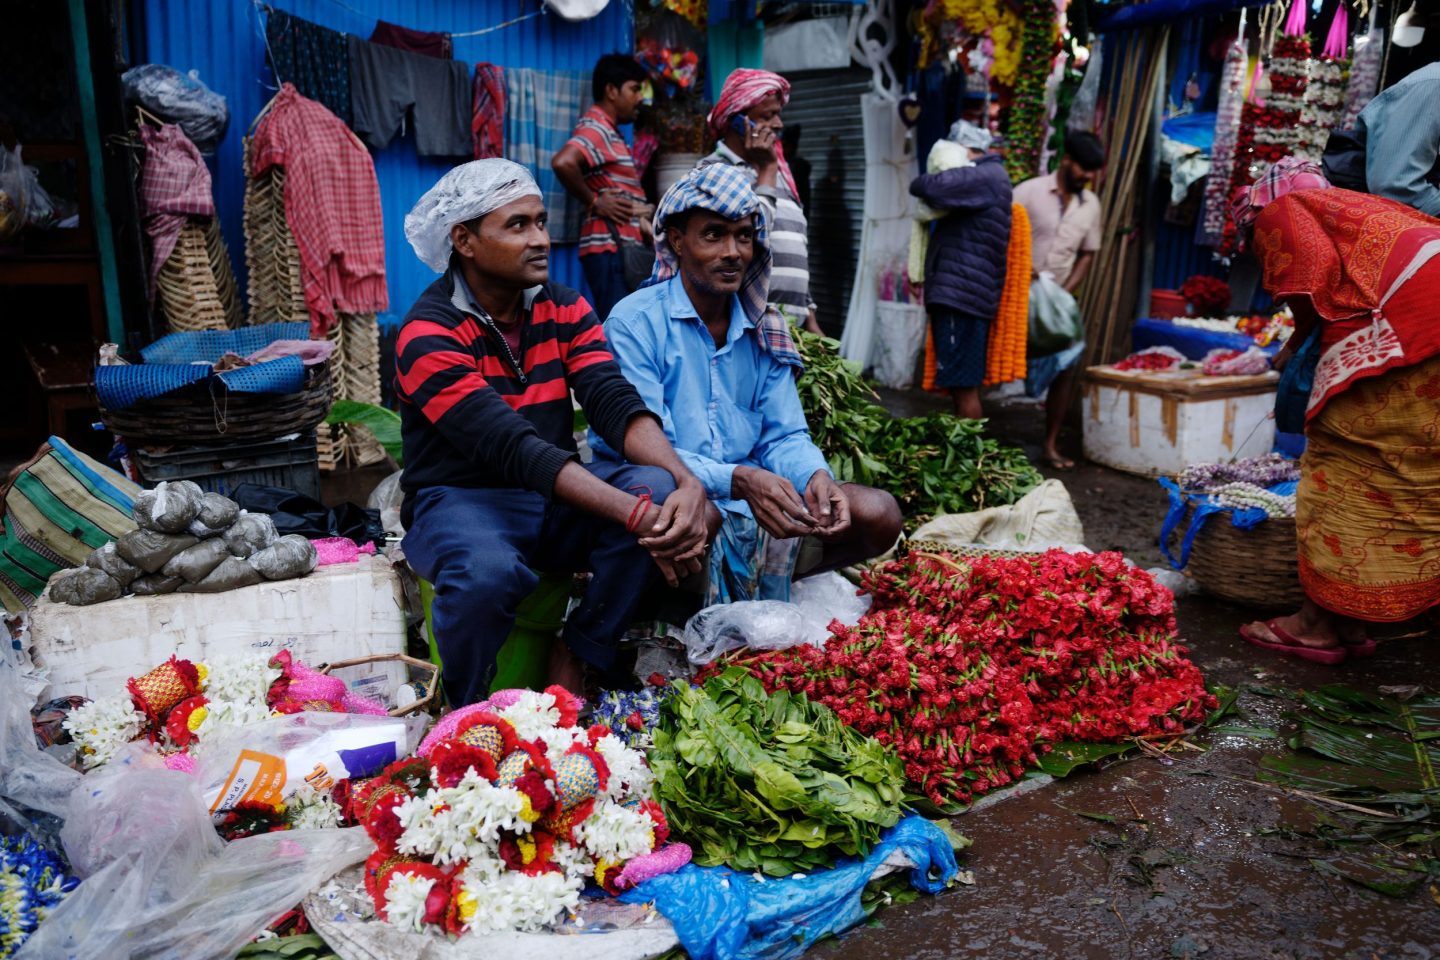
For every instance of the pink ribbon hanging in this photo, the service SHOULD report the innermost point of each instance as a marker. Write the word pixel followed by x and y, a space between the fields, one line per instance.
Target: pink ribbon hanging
pixel 1295 23
pixel 1338 39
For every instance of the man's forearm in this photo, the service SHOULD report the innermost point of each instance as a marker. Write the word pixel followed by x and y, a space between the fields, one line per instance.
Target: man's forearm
pixel 1078 272
pixel 568 173
pixel 646 444
pixel 580 488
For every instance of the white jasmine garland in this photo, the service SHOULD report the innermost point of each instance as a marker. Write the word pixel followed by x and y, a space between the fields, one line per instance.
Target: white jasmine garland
pixel 629 774
pixel 514 901
pixel 309 809
pixel 615 834
pixel 405 900
pixel 101 727
pixel 533 715
pixel 244 679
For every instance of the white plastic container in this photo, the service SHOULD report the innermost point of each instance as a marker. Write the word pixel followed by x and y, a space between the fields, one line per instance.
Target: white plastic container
pixel 1158 423
pixel 338 612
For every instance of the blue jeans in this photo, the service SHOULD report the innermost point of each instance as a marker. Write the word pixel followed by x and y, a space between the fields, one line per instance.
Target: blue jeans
pixel 605 276
pixel 481 548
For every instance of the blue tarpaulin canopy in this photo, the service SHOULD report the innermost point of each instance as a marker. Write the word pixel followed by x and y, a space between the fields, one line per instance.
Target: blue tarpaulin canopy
pixel 1168 11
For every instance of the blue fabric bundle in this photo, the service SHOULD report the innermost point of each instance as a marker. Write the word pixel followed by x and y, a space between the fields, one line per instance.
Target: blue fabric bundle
pixel 182 359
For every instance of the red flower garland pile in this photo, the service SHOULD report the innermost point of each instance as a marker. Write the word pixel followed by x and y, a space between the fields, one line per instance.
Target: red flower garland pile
pixel 968 669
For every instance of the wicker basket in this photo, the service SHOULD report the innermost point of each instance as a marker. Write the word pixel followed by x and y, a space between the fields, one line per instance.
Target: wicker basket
pixel 423 672
pixel 209 413
pixel 195 286
pixel 1256 567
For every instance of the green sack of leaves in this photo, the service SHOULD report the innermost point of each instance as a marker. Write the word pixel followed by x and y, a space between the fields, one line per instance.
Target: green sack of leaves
pixel 770 782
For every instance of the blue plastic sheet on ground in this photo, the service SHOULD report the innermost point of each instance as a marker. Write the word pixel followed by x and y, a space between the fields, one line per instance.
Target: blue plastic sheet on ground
pixel 182 359
pixel 723 915
pixel 1243 518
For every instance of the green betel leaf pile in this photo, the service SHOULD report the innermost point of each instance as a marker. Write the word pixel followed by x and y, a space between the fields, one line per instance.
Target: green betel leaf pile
pixel 770 782
pixel 938 463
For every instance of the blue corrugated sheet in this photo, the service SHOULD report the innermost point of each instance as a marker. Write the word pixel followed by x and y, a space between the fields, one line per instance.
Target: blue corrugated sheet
pixel 1178 257
pixel 225 41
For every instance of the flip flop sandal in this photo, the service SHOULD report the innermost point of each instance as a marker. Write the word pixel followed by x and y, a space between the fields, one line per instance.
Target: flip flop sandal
pixel 1360 648
pixel 1291 647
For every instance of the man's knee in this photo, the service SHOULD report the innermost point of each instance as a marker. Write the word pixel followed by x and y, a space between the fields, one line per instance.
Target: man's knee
pixel 655 481
pixel 875 516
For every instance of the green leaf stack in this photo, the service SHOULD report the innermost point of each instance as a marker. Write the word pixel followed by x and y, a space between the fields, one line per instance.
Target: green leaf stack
pixel 770 782
pixel 938 463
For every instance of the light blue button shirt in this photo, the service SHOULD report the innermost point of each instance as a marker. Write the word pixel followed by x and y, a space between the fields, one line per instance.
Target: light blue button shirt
pixel 722 408
pixel 1401 130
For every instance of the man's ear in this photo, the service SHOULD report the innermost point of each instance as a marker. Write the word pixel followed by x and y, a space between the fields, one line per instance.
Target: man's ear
pixel 461 239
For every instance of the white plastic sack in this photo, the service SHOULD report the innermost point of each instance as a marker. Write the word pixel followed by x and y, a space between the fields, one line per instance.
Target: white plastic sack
pixel 1043 518
pixel 899 338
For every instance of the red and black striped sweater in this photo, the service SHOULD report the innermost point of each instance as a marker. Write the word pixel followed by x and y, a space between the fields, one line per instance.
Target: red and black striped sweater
pixel 473 414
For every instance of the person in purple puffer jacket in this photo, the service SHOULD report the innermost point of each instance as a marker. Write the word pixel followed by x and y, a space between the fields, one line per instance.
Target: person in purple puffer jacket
pixel 965 264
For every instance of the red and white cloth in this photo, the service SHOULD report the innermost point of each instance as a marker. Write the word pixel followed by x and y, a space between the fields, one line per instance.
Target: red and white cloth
pixel 174 185
pixel 332 204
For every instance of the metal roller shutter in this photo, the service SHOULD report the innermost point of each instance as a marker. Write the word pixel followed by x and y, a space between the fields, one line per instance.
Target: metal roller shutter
pixel 827 104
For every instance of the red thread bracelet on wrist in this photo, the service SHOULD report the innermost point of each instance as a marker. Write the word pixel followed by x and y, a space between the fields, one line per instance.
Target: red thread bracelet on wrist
pixel 637 513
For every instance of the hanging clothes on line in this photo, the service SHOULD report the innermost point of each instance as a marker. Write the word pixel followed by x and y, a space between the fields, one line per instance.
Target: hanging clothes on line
pixel 315 59
pixel 541 110
pixel 332 204
pixel 487 117
pixel 386 84
pixel 423 42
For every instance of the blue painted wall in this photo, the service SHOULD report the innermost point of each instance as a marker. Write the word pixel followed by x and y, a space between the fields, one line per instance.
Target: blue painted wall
pixel 225 41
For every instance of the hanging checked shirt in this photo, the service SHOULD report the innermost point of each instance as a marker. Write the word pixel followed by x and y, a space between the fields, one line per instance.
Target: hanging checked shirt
pixel 609 168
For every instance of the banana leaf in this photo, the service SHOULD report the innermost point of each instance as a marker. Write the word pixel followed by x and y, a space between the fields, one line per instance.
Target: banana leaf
pixel 383 423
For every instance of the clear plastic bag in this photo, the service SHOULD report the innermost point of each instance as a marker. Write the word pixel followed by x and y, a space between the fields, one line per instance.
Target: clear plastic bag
pixel 179 98
pixel 387 498
pixel 757 624
pixel 827 597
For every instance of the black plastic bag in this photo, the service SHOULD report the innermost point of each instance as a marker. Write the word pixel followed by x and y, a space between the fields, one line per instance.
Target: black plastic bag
pixel 296 513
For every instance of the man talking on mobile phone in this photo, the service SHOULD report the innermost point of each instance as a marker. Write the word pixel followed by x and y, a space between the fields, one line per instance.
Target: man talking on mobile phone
pixel 747 127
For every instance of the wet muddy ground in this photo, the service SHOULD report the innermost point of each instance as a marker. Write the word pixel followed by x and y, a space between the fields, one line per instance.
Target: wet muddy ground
pixel 1200 861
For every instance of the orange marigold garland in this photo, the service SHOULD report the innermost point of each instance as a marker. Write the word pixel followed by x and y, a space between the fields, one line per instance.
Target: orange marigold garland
pixel 1005 359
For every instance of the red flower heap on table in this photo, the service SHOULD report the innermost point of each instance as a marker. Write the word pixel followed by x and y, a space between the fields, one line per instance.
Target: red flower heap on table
pixel 968 668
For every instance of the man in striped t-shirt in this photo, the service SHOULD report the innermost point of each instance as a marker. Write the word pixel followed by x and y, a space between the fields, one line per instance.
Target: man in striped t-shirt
pixel 596 167
pixel 746 125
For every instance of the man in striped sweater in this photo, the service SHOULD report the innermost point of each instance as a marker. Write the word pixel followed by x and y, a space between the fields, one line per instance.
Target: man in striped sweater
pixel 486 362
pixel 746 124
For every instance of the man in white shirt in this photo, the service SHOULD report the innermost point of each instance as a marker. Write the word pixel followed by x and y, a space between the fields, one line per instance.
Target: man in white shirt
pixel 1065 234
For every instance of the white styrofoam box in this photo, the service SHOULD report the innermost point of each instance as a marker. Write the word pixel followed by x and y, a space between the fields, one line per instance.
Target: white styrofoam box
pixel 1158 423
pixel 340 611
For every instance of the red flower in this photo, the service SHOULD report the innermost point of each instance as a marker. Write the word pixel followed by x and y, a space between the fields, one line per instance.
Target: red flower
pixel 450 760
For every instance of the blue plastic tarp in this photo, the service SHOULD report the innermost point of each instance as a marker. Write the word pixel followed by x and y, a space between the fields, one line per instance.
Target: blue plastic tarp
pixel 1193 342
pixel 1180 501
pixel 723 915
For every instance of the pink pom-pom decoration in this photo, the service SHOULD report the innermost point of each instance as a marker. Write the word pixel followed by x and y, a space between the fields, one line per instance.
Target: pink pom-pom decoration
pixel 668 859
pixel 340 550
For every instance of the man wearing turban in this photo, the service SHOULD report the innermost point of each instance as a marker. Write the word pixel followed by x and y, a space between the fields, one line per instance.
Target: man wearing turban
pixel 747 128
pixel 486 362
pixel 715 362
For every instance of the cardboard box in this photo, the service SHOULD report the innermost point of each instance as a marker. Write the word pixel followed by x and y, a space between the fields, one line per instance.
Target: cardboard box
pixel 340 611
pixel 1158 423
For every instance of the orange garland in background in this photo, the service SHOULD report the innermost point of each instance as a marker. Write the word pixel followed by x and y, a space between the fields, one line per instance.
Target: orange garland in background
pixel 1005 356
pixel 1005 360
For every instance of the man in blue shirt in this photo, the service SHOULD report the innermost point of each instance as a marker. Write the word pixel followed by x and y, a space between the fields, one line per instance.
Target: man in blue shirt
pixel 718 367
pixel 1401 132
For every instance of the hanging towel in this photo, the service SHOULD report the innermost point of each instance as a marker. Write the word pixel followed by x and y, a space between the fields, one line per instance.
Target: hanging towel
pixel 315 59
pixel 416 41
pixel 487 117
pixel 541 110
pixel 332 204
pixel 386 84
pixel 174 185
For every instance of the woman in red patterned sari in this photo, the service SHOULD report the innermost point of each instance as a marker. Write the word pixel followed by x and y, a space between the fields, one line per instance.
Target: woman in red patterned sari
pixel 1366 272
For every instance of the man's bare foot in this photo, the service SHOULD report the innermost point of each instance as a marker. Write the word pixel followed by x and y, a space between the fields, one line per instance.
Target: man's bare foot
pixel 1058 460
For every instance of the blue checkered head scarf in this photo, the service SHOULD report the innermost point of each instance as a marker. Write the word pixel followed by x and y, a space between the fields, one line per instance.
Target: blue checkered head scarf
pixel 725 189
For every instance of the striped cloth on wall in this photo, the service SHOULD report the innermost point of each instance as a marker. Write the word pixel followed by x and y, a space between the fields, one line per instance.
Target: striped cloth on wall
pixel 541 110
pixel 57 509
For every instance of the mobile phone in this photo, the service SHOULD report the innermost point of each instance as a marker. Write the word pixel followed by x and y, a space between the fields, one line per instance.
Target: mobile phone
pixel 740 124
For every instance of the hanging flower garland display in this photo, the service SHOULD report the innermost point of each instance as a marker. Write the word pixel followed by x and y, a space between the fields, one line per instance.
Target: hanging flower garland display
pixel 1227 132
pixel 505 814
pixel 996 25
pixel 970 668
pixel 1364 74
pixel 1325 89
pixel 1271 130
pixel 176 704
pixel 1025 128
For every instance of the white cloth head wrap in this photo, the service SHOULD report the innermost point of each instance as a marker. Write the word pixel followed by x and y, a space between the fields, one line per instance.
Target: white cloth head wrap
pixel 470 190
pixel 966 134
